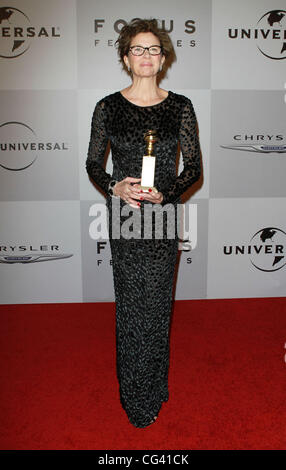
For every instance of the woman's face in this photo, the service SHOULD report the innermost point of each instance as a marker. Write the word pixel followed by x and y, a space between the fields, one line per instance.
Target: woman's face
pixel 145 65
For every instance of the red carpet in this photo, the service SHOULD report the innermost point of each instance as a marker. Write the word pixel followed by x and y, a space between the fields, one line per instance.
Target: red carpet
pixel 227 378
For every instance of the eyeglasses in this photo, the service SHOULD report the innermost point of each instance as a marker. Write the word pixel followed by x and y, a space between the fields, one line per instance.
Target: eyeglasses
pixel 139 50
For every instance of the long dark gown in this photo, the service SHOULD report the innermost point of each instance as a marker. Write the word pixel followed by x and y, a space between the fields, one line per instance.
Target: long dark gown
pixel 143 262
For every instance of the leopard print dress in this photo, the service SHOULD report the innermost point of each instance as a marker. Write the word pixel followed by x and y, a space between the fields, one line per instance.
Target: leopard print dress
pixel 144 258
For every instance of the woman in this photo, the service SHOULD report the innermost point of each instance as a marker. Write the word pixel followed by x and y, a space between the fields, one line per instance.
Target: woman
pixel 143 265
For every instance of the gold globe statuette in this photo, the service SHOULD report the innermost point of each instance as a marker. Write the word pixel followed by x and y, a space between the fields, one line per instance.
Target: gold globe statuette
pixel 148 162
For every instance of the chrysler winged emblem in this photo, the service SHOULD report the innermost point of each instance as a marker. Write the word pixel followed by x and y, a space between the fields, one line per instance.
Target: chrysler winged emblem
pixel 259 148
pixel 24 259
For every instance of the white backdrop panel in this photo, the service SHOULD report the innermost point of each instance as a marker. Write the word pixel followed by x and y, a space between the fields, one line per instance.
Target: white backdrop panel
pixel 57 60
pixel 100 22
pixel 256 272
pixel 38 233
pixel 238 57
pixel 248 143
pixel 41 125
pixel 48 49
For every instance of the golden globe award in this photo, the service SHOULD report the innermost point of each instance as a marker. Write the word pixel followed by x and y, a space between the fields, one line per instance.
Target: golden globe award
pixel 148 162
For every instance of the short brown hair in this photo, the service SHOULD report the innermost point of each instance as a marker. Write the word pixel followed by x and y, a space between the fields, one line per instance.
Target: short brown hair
pixel 136 26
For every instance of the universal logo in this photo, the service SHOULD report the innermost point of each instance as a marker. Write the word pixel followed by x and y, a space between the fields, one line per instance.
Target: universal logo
pixel 168 25
pixel 19 146
pixel 16 32
pixel 258 143
pixel 266 249
pixel 12 254
pixel 269 34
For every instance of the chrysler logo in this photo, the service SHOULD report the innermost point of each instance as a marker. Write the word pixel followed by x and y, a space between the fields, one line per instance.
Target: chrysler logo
pixel 24 259
pixel 258 148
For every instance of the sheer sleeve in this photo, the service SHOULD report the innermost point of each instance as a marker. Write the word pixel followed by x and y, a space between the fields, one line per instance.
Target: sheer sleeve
pixel 190 148
pixel 97 148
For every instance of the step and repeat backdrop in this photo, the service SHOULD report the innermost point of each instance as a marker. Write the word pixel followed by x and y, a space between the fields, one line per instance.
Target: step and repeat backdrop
pixel 57 59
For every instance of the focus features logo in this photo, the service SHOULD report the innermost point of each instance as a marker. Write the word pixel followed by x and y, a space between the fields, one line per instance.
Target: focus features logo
pixel 269 35
pixel 12 254
pixel 167 25
pixel 17 32
pixel 20 147
pixel 258 143
pixel 266 249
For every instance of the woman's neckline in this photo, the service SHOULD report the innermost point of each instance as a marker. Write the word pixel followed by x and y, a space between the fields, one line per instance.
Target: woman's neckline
pixel 148 106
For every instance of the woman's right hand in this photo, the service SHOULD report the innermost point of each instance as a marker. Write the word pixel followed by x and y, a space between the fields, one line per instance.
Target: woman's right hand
pixel 130 193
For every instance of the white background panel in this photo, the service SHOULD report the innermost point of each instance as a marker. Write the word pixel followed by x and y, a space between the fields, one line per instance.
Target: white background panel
pixel 96 258
pixel 49 62
pixel 192 268
pixel 52 116
pixel 35 224
pixel 53 87
pixel 238 63
pixel 249 118
pixel 234 222
pixel 99 64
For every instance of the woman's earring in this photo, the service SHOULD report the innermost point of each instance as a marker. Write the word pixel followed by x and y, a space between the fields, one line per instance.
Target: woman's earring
pixel 160 69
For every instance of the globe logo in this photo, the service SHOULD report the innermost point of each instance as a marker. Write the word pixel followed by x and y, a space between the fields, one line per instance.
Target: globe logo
pixel 267 249
pixel 272 40
pixel 16 32
pixel 14 27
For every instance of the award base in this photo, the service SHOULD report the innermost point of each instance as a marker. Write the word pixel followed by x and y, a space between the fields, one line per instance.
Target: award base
pixel 145 189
